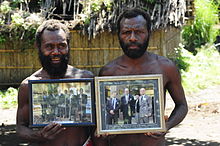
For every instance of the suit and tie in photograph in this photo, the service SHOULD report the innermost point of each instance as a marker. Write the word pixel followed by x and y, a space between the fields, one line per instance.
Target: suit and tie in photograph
pixel 112 108
pixel 143 107
pixel 127 106
pixel 81 99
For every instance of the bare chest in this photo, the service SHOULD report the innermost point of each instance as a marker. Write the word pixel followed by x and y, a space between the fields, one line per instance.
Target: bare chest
pixel 140 70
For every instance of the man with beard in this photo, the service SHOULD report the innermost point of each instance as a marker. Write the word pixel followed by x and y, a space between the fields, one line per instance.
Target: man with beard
pixel 52 41
pixel 134 27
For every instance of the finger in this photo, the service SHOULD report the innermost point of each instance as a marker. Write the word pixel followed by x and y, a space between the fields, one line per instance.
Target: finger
pixel 96 134
pixel 157 135
pixel 52 130
pixel 46 129
pixel 148 134
pixel 49 126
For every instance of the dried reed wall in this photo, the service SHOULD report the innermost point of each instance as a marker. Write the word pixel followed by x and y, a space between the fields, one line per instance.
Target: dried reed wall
pixel 17 63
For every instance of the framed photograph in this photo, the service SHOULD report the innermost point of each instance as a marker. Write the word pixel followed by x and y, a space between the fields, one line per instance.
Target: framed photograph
pixel 66 101
pixel 129 104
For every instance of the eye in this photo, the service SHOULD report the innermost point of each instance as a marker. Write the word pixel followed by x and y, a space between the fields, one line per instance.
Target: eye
pixel 138 32
pixel 126 32
pixel 62 46
pixel 49 46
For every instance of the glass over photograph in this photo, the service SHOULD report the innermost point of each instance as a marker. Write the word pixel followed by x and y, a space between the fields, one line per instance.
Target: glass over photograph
pixel 69 102
pixel 129 104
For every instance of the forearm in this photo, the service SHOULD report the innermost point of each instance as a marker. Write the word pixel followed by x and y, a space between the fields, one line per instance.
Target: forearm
pixel 177 115
pixel 29 134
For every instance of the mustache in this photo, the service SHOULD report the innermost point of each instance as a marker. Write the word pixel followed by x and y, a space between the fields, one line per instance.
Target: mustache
pixel 55 56
pixel 133 44
pixel 54 70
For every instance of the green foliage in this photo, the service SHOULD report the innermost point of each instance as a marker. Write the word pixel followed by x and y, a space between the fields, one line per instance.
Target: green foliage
pixel 16 24
pixel 202 30
pixel 8 98
pixel 5 8
pixel 203 69
pixel 181 57
pixel 91 7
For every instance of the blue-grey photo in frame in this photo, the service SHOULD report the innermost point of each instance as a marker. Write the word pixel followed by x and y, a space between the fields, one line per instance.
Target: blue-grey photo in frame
pixel 69 102
pixel 129 104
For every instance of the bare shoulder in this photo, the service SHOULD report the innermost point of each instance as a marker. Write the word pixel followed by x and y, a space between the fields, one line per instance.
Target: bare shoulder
pixel 109 68
pixel 23 88
pixel 38 75
pixel 73 72
pixel 168 67
pixel 164 62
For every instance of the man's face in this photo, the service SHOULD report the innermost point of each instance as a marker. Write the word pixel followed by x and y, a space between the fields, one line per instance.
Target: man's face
pixel 133 36
pixel 142 91
pixel 81 91
pixel 113 94
pixel 54 52
pixel 126 91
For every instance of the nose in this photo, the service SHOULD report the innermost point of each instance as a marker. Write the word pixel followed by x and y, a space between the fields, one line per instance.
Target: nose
pixel 55 51
pixel 132 37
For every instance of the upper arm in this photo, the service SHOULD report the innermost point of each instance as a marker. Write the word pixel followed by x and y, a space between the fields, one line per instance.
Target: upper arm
pixel 174 85
pixel 106 71
pixel 88 74
pixel 102 71
pixel 23 105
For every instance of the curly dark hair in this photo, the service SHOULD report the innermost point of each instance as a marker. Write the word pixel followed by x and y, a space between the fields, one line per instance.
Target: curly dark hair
pixel 51 25
pixel 133 12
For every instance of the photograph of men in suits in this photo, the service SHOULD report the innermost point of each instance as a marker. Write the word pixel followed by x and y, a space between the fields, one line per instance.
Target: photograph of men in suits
pixel 60 105
pixel 54 101
pixel 127 106
pixel 72 108
pixel 112 108
pixel 81 103
pixel 44 105
pixel 144 104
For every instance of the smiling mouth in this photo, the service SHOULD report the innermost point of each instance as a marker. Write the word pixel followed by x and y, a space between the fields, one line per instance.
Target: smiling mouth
pixel 55 60
pixel 133 47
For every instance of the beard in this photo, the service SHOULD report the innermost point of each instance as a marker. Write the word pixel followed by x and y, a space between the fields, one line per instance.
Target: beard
pixel 54 70
pixel 134 53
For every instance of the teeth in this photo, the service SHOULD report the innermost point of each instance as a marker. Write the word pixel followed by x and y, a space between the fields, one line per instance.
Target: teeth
pixel 56 59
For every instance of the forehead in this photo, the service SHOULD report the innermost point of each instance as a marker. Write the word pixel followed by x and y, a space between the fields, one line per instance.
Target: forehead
pixel 135 22
pixel 142 89
pixel 48 35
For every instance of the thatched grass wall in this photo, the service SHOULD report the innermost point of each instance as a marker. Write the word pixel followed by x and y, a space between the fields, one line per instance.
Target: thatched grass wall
pixel 16 64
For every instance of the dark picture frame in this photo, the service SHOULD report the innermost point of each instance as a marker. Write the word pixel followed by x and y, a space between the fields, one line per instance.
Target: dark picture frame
pixel 111 113
pixel 69 102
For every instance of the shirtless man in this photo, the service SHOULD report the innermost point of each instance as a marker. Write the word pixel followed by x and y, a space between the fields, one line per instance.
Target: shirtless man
pixel 52 41
pixel 134 33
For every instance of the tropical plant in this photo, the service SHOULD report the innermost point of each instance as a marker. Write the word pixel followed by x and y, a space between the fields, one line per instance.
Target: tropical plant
pixel 18 24
pixel 202 30
pixel 199 71
pixel 8 98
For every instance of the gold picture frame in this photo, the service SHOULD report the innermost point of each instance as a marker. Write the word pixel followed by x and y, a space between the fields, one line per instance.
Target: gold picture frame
pixel 139 112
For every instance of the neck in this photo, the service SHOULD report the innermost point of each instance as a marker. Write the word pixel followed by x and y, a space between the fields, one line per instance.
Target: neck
pixel 135 61
pixel 47 75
